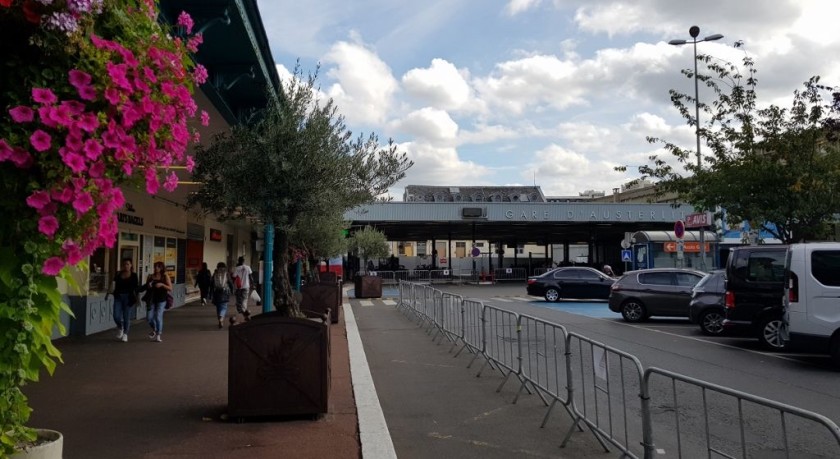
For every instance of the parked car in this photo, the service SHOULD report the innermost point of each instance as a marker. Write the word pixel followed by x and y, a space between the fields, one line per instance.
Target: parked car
pixel 637 295
pixel 706 306
pixel 571 283
pixel 812 300
pixel 754 291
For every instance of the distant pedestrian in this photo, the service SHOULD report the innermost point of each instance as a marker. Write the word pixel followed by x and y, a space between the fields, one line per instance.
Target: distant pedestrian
pixel 160 285
pixel 609 271
pixel 220 290
pixel 125 297
pixel 203 280
pixel 242 281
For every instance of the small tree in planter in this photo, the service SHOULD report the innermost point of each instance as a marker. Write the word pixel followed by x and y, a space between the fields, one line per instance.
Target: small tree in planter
pixel 297 159
pixel 95 95
pixel 368 243
pixel 320 235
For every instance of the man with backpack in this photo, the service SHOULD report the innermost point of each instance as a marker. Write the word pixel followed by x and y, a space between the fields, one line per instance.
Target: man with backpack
pixel 242 281
pixel 221 288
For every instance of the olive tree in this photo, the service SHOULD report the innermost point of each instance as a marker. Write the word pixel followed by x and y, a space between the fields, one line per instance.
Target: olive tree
pixel 298 158
pixel 368 243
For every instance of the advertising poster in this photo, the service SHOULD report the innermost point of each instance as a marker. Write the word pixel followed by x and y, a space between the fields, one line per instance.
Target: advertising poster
pixel 171 257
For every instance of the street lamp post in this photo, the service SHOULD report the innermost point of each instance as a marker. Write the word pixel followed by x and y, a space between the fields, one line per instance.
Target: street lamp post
pixel 694 31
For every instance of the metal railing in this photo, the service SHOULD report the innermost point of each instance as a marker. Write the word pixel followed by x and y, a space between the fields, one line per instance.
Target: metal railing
pixel 510 274
pixel 608 390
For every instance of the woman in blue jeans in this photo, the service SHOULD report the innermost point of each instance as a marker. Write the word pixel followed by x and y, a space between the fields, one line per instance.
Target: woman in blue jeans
pixel 220 291
pixel 159 285
pixel 125 296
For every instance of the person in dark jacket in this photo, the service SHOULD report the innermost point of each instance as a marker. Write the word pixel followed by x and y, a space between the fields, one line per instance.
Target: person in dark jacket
pixel 125 297
pixel 160 285
pixel 220 291
pixel 204 280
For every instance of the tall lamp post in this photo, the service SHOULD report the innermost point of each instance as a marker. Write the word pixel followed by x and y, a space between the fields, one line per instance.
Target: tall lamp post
pixel 694 31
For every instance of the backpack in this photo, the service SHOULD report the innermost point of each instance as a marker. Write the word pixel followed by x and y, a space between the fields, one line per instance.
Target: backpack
pixel 220 282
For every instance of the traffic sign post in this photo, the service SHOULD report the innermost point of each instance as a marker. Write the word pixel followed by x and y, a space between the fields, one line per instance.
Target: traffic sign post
pixel 679 229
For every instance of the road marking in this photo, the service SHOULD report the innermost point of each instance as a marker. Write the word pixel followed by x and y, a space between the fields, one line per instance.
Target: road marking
pixel 365 303
pixel 373 430
pixel 504 300
pixel 389 302
pixel 486 414
pixel 522 298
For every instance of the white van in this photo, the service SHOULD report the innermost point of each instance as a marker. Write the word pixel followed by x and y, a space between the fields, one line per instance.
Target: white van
pixel 812 297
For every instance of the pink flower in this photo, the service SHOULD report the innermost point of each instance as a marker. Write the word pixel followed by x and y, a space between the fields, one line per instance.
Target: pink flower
pixel 79 78
pixel 149 74
pixel 40 140
pixel 118 72
pixel 88 122
pixel 21 158
pixel 74 161
pixel 46 115
pixel 152 183
pixel 44 96
pixel 63 195
pixel 48 225
pixel 75 107
pixel 82 203
pixel 38 199
pixel 200 74
pixel 194 42
pixel 113 96
pixel 74 255
pixel 185 21
pixel 87 93
pixel 22 114
pixel 196 137
pixel 53 266
pixel 97 169
pixel 171 182
pixel 93 149
pixel 190 164
pixel 74 141
pixel 205 118
pixel 117 198
pixel 128 168
pixel 5 150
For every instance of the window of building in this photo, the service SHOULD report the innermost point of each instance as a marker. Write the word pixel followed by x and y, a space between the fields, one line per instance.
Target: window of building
pixel 520 249
pixel 421 249
pixel 460 249
pixel 98 279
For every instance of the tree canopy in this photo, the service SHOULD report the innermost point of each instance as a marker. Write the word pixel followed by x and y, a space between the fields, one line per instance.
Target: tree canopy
pixel 778 168
pixel 368 243
pixel 298 158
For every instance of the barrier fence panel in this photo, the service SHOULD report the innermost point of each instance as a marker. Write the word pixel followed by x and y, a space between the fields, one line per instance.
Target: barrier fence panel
pixel 694 418
pixel 473 329
pixel 440 276
pixel 386 276
pixel 401 275
pixel 510 274
pixel 541 271
pixel 466 276
pixel 606 384
pixel 501 341
pixel 428 310
pixel 451 320
pixel 543 351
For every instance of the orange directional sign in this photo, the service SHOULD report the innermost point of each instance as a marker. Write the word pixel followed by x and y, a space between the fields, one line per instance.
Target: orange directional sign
pixel 687 247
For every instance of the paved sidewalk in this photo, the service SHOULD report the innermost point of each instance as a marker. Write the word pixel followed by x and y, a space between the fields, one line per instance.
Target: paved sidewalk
pixel 148 400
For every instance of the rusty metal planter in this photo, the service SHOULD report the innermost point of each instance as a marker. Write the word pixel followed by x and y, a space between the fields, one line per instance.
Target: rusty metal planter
pixel 368 287
pixel 320 296
pixel 278 366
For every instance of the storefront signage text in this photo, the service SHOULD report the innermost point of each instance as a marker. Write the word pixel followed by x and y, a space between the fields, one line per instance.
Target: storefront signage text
pixel 129 219
pixel 606 215
pixel 215 235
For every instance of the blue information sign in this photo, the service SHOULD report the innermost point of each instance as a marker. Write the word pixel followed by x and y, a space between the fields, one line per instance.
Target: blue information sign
pixel 626 255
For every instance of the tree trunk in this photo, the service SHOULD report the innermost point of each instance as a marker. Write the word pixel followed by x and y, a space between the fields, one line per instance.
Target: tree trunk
pixel 284 298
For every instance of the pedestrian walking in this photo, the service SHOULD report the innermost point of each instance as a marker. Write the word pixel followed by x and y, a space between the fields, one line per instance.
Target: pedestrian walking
pixel 204 280
pixel 160 286
pixel 609 271
pixel 221 288
pixel 125 297
pixel 242 281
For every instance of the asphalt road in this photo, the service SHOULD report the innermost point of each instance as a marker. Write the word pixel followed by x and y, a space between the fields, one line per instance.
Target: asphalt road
pixel 802 380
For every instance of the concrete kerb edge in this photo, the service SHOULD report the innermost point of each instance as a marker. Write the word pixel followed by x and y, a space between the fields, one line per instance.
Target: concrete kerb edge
pixel 374 436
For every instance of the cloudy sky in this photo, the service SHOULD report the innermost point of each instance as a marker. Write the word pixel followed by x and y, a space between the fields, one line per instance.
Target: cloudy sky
pixel 552 92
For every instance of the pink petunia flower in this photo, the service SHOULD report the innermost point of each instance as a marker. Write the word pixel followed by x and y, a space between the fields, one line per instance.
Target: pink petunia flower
pixel 185 21
pixel 171 182
pixel 93 149
pixel 63 195
pixel 205 118
pixel 40 140
pixel 74 161
pixel 113 96
pixel 22 114
pixel 200 74
pixel 62 115
pixel 88 122
pixel 97 169
pixel 44 96
pixel 74 254
pixel 87 93
pixel 75 107
pixel 194 42
pixel 5 150
pixel 79 78
pixel 190 163
pixel 38 199
pixel 83 202
pixel 45 113
pixel 21 158
pixel 152 183
pixel 53 266
pixel 117 198
pixel 48 225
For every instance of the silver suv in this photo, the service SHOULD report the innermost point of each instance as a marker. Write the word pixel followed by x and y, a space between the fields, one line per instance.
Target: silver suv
pixel 638 295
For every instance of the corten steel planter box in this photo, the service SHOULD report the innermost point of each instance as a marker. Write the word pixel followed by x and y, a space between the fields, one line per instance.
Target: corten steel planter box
pixel 278 366
pixel 327 277
pixel 368 287
pixel 320 296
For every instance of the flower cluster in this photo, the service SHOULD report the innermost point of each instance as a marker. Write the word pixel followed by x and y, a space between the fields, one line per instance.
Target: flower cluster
pixel 121 111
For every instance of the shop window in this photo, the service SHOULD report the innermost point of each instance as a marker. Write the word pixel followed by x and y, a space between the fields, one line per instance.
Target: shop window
pixel 460 249
pixel 98 283
pixel 520 249
pixel 421 249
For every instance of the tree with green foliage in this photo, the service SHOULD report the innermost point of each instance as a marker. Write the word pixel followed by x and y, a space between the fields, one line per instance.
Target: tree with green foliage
pixel 368 243
pixel 776 167
pixel 296 159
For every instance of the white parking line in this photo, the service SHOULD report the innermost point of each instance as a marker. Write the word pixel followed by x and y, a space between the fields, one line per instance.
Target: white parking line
pixel 503 300
pixel 389 302
pixel 365 303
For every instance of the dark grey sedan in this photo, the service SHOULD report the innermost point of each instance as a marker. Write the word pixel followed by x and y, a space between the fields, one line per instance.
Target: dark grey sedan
pixel 637 295
pixel 706 306
pixel 571 283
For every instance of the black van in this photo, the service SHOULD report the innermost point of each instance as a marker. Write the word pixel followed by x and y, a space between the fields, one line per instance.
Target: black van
pixel 755 281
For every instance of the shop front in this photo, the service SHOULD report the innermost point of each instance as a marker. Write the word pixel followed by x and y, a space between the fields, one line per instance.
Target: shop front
pixel 662 249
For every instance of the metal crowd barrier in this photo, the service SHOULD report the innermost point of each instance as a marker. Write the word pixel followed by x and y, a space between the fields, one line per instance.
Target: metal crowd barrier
pixel 510 274
pixel 608 390
pixel 540 271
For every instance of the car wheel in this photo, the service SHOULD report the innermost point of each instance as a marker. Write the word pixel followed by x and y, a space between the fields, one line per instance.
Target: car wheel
pixel 711 323
pixel 633 311
pixel 552 295
pixel 769 333
pixel 835 351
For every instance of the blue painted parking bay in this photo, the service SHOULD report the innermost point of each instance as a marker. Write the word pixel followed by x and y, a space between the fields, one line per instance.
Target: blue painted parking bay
pixel 598 310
